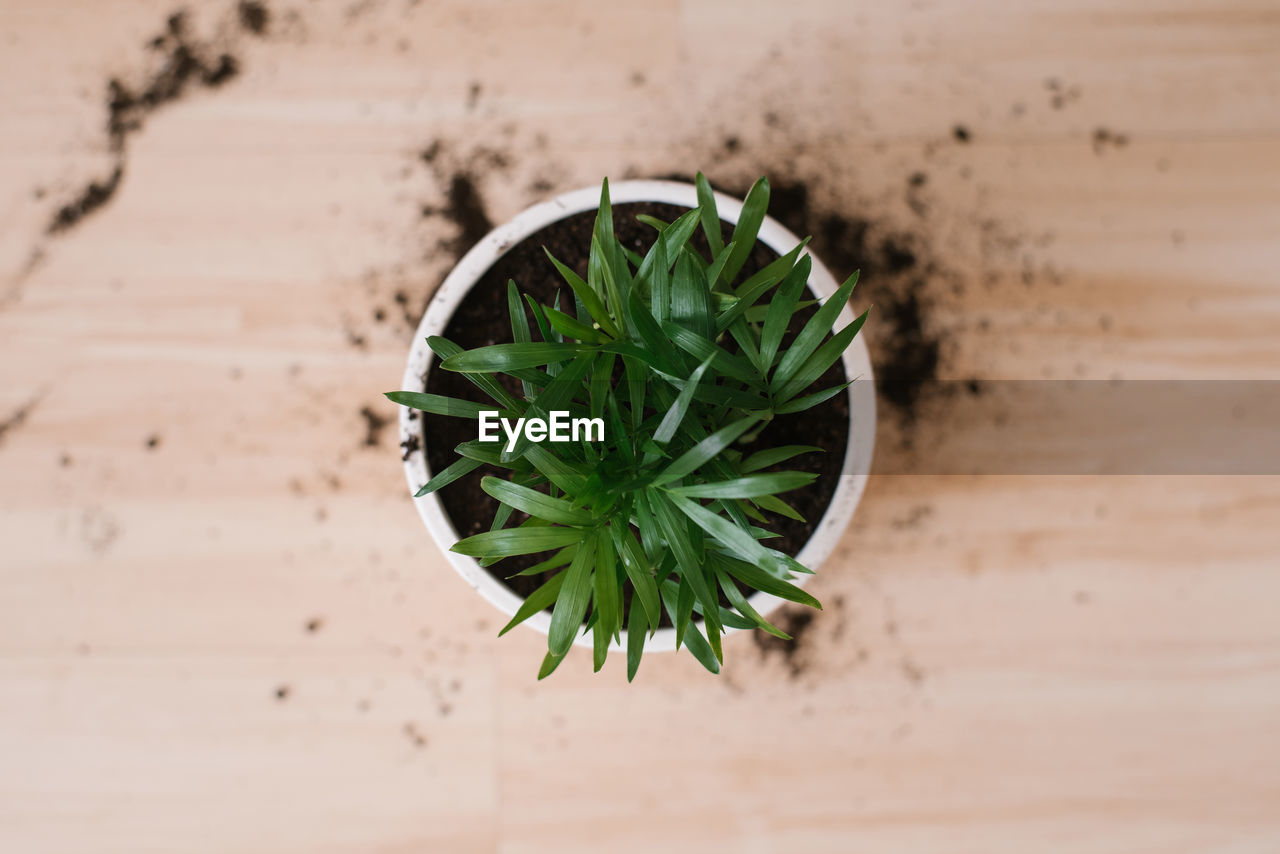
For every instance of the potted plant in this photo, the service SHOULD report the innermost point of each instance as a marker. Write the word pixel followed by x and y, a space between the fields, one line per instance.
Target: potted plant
pixel 616 437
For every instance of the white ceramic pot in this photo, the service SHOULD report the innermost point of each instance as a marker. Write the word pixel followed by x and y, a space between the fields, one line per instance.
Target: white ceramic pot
pixel 474 264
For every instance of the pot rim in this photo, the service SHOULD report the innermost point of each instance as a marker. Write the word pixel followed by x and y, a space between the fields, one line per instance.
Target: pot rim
pixel 473 265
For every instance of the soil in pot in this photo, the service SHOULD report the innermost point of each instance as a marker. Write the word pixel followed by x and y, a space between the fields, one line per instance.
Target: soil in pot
pixel 482 319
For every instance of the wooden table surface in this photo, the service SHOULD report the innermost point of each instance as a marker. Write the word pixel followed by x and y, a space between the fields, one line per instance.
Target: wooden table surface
pixel 223 628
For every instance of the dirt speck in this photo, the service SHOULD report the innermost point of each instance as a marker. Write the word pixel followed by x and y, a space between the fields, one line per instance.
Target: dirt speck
pixel 415 736
pixel 795 620
pixel 15 419
pixel 1104 138
pixel 254 17
pixel 282 693
pixel 314 625
pixel 179 61
pixel 465 208
pixel 961 134
pixel 152 442
pixel 374 424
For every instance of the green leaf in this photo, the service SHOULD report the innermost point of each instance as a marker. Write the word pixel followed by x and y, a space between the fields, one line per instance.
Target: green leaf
pixel 700 347
pixel 781 309
pixel 657 346
pixel 684 608
pixel 599 646
pixel 571 603
pixel 505 357
pixel 613 265
pixel 705 450
pixel 444 348
pixel 535 503
pixel 693 639
pixel 744 233
pixel 667 429
pixel 669 243
pixel 750 486
pixel 774 504
pixel 812 333
pixel 485 452
pixel 738 541
pixel 571 327
pixel 608 594
pixel 591 301
pixel 549 664
pixel 737 600
pixel 519 326
pixel 716 267
pixel 691 299
pixel 637 379
pixel 800 404
pixel 437 404
pixel 758 285
pixel 824 357
pixel 556 470
pixel 637 625
pixel 637 568
pixel 677 535
pixel 659 280
pixel 758 579
pixel 540 318
pixel 710 217
pixel 448 475
pixel 556 561
pixel 773 456
pixel 516 541
pixel 537 601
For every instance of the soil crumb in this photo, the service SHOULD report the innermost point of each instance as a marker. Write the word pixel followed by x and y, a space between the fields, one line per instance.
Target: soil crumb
pixel 15 420
pixel 465 209
pixel 254 17
pixel 180 62
pixel 416 738
pixel 374 424
pixel 796 621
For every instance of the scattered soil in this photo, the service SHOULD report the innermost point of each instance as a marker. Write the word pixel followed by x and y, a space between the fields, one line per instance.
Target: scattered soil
pixel 282 693
pixel 897 277
pixel 181 63
pixel 16 418
pixel 153 441
pixel 254 17
pixel 1104 138
pixel 374 424
pixel 796 621
pixel 482 319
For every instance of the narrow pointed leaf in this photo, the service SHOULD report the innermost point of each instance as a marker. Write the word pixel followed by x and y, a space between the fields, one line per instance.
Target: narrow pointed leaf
pixel 812 333
pixel 516 541
pixel 448 475
pixel 503 357
pixel 538 600
pixel 710 217
pixel 571 603
pixel 744 233
pixel 535 503
pixel 750 486
pixel 705 450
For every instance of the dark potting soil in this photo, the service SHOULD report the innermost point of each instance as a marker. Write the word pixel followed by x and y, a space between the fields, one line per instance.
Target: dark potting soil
pixel 482 319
